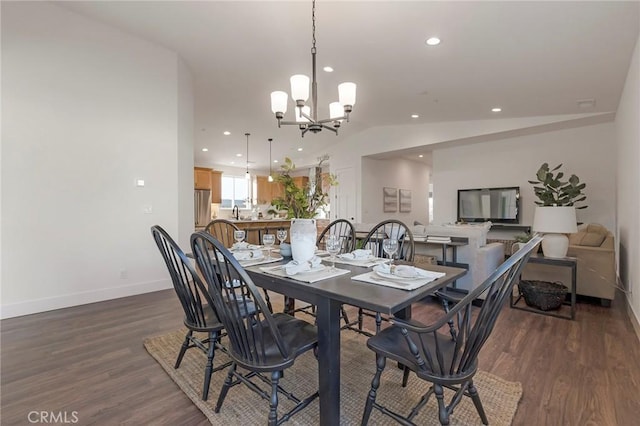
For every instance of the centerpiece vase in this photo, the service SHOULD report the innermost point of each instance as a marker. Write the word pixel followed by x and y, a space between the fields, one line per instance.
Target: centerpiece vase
pixel 303 234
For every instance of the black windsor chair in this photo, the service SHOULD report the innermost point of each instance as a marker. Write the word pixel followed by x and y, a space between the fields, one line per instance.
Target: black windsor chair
pixel 198 316
pixel 437 357
pixel 259 342
pixel 391 228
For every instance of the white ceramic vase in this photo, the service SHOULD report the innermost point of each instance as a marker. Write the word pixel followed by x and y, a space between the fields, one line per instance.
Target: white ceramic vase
pixel 303 234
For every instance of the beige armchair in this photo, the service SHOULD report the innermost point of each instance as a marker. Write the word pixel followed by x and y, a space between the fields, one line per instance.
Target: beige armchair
pixel 593 246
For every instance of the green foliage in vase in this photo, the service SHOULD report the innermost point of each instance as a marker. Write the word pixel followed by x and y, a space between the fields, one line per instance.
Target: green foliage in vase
pixel 523 238
pixel 553 191
pixel 302 202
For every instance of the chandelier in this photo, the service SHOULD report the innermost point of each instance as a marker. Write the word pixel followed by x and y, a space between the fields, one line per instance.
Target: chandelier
pixel 306 116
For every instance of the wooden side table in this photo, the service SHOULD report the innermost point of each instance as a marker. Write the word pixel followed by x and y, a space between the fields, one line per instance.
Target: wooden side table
pixel 569 262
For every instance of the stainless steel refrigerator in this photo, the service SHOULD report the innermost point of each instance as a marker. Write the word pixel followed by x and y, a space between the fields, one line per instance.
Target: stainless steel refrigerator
pixel 202 206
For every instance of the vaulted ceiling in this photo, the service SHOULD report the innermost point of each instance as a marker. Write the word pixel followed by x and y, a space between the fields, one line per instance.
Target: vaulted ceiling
pixel 528 58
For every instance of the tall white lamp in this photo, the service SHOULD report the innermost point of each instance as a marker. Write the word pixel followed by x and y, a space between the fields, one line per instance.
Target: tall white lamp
pixel 555 223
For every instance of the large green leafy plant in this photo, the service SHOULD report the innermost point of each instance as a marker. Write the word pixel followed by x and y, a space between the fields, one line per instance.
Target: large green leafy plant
pixel 302 202
pixel 552 190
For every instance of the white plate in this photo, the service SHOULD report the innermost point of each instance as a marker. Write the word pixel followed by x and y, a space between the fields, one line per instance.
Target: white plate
pixel 313 269
pixel 404 274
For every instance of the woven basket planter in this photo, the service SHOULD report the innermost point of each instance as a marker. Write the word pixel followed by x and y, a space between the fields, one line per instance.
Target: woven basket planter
pixel 543 295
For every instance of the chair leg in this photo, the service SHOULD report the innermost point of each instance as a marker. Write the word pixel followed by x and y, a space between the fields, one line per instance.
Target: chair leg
pixel 225 387
pixel 473 392
pixel 443 414
pixel 183 349
pixel 360 318
pixel 213 336
pixel 375 383
pixel 405 375
pixel 452 328
pixel 343 313
pixel 273 403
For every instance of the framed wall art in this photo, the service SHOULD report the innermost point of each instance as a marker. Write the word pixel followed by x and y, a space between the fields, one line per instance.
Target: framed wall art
pixel 389 199
pixel 405 200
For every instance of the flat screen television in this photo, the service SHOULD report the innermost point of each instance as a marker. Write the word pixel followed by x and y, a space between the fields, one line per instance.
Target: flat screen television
pixel 498 205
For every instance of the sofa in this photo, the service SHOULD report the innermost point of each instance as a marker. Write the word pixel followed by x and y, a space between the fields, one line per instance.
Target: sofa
pixel 593 246
pixel 482 258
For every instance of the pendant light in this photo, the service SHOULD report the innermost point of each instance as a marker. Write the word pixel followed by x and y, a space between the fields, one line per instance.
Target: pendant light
pixel 247 176
pixel 270 177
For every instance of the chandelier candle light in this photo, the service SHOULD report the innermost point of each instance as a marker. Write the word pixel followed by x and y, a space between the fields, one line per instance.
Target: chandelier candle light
pixel 307 116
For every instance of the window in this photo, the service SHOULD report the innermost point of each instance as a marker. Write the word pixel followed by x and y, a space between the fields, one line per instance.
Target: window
pixel 235 192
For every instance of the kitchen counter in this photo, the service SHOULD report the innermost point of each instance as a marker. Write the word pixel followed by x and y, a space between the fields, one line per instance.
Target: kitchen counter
pixel 256 228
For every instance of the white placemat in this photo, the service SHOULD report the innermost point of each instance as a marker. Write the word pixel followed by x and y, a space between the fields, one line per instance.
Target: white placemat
pixel 404 284
pixel 308 277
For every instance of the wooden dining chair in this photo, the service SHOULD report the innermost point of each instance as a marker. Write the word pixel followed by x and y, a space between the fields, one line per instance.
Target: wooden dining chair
pixel 438 358
pixel 260 342
pixel 391 228
pixel 222 230
pixel 199 316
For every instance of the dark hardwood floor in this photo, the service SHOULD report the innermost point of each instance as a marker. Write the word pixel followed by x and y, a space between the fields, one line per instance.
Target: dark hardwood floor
pixel 90 360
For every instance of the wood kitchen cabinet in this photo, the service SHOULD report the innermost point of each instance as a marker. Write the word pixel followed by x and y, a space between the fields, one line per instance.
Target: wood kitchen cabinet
pixel 216 186
pixel 202 178
pixel 267 191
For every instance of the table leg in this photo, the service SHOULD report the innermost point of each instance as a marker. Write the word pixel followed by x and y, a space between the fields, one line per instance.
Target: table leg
pixel 328 323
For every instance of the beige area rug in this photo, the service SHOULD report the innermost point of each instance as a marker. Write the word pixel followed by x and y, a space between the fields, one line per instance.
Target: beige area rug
pixel 243 407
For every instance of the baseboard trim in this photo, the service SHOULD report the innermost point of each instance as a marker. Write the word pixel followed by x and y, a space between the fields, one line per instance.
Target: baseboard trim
pixel 68 300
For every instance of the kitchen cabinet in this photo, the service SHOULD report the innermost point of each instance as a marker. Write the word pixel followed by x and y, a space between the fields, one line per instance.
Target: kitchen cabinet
pixel 301 181
pixel 216 187
pixel 202 178
pixel 267 191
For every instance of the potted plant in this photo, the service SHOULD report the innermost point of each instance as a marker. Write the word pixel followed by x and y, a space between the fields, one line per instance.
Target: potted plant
pixel 553 191
pixel 302 202
pixel 555 214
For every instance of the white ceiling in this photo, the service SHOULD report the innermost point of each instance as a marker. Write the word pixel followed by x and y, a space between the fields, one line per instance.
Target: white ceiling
pixel 530 58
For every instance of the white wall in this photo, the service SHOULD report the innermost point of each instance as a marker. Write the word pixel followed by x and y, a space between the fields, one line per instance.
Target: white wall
pixel 588 152
pixel 87 110
pixel 185 114
pixel 399 174
pixel 628 183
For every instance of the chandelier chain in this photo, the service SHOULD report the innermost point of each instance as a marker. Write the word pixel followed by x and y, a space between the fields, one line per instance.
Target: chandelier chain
pixel 313 26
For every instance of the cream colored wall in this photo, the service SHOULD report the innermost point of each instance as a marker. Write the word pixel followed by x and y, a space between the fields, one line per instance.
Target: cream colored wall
pixel 400 174
pixel 86 110
pixel 588 152
pixel 627 126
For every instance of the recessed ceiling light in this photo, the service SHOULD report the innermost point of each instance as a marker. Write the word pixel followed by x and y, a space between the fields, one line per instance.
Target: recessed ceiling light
pixel 275 161
pixel 205 149
pixel 420 156
pixel 226 133
pixel 238 155
pixel 299 149
pixel 414 116
pixel 496 109
pixel 233 162
pixel 433 41
pixel 328 69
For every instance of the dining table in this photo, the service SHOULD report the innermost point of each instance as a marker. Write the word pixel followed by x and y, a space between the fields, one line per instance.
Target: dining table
pixel 328 295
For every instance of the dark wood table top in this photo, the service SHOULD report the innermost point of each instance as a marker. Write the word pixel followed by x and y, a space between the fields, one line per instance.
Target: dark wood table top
pixel 379 298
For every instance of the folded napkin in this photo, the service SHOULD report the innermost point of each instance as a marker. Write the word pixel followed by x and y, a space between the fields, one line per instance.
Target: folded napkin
pixel 295 267
pixel 356 255
pixel 248 254
pixel 403 271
